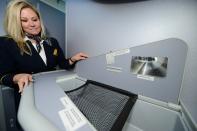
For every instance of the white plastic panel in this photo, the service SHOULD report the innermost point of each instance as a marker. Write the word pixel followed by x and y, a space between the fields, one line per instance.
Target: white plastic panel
pixel 119 74
pixel 149 117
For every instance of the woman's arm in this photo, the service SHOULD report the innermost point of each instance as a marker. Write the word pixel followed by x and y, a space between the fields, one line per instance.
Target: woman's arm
pixel 8 75
pixel 62 61
pixel 6 64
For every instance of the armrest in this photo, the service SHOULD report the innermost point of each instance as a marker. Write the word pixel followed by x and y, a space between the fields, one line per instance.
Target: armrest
pixel 7 109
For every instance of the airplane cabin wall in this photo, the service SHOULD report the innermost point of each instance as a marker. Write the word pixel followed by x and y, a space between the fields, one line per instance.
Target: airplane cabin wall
pixel 97 28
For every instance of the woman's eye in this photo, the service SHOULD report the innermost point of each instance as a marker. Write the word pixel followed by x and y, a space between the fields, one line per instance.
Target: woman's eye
pixel 24 20
pixel 35 20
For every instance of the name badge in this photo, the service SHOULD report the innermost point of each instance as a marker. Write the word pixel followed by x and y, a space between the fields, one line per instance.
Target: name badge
pixel 55 52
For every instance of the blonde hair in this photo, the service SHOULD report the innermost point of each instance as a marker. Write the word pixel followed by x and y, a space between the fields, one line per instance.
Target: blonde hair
pixel 12 23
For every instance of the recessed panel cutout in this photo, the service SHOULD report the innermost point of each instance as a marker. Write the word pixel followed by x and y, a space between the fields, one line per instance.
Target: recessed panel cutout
pixel 151 66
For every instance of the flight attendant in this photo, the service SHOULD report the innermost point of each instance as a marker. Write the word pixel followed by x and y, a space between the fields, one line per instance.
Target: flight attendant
pixel 26 49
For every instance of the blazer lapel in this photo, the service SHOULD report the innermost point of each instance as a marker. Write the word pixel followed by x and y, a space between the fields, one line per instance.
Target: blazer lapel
pixel 36 55
pixel 48 51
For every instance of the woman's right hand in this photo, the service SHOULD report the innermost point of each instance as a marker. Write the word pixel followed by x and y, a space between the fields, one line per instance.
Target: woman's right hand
pixel 22 80
pixel 77 57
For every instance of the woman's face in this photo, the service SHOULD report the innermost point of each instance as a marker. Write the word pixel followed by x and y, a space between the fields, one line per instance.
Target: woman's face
pixel 30 21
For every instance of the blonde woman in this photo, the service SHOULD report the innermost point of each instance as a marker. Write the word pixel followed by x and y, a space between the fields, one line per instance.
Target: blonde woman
pixel 26 49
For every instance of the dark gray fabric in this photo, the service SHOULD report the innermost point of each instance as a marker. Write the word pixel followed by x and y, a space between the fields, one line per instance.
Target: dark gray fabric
pixel 101 106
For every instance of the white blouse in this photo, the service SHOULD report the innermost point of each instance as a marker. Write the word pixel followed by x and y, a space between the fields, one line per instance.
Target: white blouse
pixel 42 52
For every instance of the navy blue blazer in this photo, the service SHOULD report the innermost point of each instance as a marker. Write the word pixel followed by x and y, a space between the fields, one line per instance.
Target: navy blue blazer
pixel 13 62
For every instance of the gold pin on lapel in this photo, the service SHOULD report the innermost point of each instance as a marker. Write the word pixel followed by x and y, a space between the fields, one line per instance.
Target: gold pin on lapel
pixel 55 52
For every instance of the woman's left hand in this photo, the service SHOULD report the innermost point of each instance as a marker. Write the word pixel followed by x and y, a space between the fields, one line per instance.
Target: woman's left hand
pixel 77 57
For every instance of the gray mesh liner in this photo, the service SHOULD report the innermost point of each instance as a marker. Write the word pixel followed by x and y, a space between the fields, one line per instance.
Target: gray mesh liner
pixel 101 106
